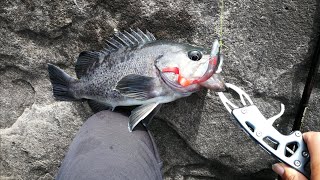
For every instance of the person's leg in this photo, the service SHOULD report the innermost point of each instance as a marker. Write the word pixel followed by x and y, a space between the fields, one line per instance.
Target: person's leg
pixel 105 149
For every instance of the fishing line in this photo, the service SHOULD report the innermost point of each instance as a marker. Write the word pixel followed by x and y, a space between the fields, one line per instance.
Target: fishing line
pixel 221 7
pixel 220 30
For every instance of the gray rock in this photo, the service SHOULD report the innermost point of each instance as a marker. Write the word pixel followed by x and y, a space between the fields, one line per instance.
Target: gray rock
pixel 268 46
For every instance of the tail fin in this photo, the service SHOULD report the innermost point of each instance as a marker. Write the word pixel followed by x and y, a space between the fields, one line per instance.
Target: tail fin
pixel 60 83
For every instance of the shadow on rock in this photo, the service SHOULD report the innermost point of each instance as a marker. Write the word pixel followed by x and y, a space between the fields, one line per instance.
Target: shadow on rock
pixel 301 70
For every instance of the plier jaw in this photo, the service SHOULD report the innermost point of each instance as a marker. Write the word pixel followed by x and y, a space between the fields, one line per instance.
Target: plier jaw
pixel 289 149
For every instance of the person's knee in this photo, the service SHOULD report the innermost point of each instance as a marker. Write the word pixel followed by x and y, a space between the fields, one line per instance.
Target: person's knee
pixel 107 117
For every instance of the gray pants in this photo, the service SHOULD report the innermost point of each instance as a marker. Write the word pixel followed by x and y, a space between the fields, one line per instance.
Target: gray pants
pixel 105 149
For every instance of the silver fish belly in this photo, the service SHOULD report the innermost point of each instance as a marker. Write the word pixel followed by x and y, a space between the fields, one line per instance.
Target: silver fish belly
pixel 124 74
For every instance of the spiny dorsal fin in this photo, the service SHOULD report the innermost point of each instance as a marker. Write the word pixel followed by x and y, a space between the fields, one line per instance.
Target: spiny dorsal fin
pixel 127 39
pixel 87 60
pixel 90 59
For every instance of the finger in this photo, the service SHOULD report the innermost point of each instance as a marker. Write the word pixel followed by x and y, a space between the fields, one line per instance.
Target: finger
pixel 312 139
pixel 287 173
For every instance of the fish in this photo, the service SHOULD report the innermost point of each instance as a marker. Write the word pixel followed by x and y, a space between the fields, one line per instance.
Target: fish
pixel 134 68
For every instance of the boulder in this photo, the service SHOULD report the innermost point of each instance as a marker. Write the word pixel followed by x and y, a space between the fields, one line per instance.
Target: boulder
pixel 267 46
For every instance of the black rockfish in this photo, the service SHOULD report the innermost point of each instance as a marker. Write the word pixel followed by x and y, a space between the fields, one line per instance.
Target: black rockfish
pixel 136 69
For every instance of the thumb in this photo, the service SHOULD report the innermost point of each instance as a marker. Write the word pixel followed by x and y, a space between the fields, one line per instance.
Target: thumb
pixel 287 173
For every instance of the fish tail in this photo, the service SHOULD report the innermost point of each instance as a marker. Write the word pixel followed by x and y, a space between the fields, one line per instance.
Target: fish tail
pixel 61 82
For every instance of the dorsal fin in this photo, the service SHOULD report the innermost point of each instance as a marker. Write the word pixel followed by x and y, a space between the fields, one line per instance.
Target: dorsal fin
pixel 127 39
pixel 90 59
pixel 87 60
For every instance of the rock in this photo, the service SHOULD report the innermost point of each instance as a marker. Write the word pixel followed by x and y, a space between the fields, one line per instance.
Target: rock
pixel 267 47
pixel 34 145
pixel 17 94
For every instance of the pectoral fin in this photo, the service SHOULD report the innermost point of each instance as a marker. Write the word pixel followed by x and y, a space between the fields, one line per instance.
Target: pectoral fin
pixel 147 120
pixel 140 113
pixel 136 86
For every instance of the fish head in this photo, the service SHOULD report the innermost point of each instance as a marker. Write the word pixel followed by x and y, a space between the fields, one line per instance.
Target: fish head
pixel 189 67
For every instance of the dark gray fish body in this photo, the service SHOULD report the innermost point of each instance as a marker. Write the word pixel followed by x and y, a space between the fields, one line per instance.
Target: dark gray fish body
pixel 127 72
pixel 101 80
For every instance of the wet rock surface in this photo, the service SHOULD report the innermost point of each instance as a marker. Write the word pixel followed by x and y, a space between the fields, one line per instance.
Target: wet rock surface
pixel 268 46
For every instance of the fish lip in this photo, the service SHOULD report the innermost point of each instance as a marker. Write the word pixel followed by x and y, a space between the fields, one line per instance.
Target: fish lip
pixel 215 83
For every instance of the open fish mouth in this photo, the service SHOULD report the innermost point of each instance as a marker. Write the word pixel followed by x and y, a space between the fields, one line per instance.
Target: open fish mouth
pixel 211 74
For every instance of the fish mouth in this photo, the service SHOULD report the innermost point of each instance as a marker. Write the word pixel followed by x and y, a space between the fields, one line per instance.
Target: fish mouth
pixel 211 75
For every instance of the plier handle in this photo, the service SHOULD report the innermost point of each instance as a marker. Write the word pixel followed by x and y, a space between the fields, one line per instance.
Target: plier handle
pixel 289 149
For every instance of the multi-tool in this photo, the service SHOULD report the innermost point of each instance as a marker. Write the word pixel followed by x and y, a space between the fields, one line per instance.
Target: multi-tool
pixel 289 149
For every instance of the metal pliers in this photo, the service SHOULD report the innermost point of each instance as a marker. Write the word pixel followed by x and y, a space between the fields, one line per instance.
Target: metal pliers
pixel 289 149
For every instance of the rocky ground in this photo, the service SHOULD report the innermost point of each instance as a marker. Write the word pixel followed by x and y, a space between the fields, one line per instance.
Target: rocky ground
pixel 268 45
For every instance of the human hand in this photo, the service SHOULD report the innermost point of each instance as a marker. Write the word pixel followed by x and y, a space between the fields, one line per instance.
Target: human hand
pixel 312 139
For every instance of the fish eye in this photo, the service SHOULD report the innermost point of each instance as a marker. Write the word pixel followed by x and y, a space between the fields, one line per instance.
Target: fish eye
pixel 194 55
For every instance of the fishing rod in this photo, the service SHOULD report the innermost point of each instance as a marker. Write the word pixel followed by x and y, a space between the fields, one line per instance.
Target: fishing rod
pixel 310 82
